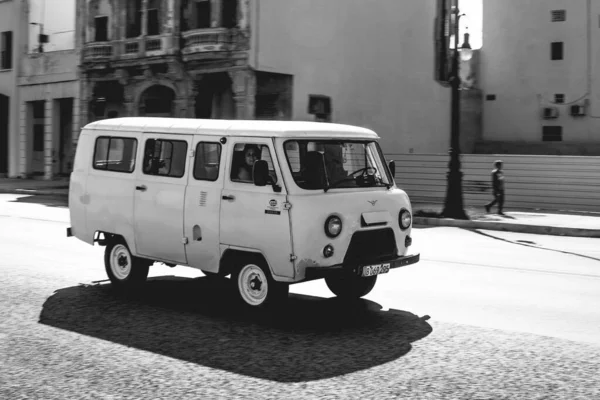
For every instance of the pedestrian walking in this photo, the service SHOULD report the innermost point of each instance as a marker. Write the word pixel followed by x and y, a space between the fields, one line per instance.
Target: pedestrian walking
pixel 497 187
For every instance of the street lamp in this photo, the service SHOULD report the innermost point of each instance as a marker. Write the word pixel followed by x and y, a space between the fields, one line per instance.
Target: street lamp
pixel 453 205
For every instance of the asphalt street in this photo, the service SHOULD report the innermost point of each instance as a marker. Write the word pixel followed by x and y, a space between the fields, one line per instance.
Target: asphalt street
pixel 484 315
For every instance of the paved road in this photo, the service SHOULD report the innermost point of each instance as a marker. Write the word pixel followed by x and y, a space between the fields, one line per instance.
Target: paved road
pixel 485 315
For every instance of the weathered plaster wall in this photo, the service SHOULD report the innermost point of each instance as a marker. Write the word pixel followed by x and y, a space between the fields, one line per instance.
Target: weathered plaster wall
pixel 373 58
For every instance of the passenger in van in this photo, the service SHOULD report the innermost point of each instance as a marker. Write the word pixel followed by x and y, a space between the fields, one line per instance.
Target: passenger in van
pixel 251 154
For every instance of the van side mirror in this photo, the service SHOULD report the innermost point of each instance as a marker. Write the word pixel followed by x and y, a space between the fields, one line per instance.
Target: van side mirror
pixel 260 173
pixel 392 166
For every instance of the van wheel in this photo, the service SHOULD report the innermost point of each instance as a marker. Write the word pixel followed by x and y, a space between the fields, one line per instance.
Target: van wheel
pixel 349 286
pixel 256 288
pixel 124 270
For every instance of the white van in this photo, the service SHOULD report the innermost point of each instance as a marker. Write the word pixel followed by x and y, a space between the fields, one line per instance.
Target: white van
pixel 269 203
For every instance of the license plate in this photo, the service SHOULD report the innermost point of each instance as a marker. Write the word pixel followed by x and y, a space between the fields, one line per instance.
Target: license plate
pixel 370 270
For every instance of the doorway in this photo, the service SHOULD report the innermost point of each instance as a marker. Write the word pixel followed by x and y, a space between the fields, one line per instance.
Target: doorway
pixel 4 124
pixel 65 139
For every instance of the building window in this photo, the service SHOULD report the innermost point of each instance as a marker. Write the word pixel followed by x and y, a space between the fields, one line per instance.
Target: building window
pixel 229 14
pixel 134 18
pixel 558 15
pixel 101 26
pixel 207 161
pixel 552 133
pixel 6 50
pixel 153 20
pixel 559 98
pixel 203 13
pixel 490 97
pixel 556 50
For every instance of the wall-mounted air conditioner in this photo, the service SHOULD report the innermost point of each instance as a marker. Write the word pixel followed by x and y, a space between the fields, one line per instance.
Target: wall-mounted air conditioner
pixel 550 112
pixel 577 110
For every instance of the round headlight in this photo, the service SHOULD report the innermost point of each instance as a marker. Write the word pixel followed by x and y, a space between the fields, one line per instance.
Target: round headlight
pixel 404 219
pixel 333 226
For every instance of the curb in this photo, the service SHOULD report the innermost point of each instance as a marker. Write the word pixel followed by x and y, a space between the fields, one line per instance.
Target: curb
pixel 508 227
pixel 48 192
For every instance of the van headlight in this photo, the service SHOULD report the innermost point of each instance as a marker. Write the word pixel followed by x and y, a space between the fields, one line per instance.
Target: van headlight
pixel 404 219
pixel 333 226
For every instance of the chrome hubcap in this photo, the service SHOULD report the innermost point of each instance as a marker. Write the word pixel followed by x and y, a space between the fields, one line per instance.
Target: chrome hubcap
pixel 252 284
pixel 120 262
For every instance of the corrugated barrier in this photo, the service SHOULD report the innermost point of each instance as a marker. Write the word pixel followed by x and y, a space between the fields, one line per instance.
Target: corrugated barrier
pixel 549 182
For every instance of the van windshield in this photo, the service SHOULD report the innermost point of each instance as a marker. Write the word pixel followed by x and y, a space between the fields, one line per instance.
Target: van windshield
pixel 328 164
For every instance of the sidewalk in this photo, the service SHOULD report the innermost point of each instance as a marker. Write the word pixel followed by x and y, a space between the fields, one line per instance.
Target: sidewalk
pixel 547 222
pixel 57 187
pixel 536 221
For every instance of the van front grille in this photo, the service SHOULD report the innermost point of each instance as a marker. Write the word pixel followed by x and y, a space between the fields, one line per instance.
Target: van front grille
pixel 371 246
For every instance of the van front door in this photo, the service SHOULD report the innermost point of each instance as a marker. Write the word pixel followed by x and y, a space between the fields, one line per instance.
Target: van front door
pixel 159 197
pixel 255 217
pixel 203 204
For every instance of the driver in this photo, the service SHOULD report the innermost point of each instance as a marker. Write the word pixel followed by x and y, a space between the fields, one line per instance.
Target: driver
pixel 334 160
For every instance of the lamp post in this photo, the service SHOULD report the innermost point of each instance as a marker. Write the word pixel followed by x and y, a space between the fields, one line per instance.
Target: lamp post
pixel 41 37
pixel 453 205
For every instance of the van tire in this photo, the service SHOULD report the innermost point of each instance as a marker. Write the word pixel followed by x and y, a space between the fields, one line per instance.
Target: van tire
pixel 124 270
pixel 349 286
pixel 256 288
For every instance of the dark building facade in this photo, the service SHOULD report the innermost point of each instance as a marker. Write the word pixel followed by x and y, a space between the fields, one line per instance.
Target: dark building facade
pixel 177 58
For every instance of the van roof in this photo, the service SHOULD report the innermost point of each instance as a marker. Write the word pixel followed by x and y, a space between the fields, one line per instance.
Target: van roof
pixel 233 127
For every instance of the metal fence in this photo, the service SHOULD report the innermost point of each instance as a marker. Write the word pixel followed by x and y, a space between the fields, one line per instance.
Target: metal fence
pixel 548 182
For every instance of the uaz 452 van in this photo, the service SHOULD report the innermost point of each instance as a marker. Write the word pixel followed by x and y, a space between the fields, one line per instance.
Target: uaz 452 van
pixel 269 203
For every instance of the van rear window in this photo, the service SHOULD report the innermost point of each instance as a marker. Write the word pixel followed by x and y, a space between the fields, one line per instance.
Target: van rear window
pixel 115 154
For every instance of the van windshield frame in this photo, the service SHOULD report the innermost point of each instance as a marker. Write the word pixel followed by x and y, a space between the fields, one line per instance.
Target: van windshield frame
pixel 323 164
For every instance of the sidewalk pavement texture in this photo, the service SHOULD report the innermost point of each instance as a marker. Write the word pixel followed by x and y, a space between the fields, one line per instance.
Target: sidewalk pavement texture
pixel 536 221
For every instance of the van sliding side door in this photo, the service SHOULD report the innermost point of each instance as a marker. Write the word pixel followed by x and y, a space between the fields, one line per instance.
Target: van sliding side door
pixel 159 197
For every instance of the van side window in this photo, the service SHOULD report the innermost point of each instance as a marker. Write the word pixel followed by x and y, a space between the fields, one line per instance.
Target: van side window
pixel 165 157
pixel 115 154
pixel 244 156
pixel 206 164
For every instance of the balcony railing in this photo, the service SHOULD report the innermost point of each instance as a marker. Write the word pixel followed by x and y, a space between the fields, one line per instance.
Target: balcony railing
pixel 131 47
pixel 194 41
pixel 97 50
pixel 204 40
pixel 154 44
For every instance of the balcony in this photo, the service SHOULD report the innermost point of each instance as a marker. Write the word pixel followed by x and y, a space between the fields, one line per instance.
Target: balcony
pixel 98 51
pixel 132 48
pixel 209 40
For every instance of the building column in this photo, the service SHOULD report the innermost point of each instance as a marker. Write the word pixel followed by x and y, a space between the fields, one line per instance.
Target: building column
pixel 129 98
pixel 48 139
pixel 14 129
pixel 144 19
pixel 25 140
pixel 216 10
pixel 85 94
pixel 244 91
pixel 76 129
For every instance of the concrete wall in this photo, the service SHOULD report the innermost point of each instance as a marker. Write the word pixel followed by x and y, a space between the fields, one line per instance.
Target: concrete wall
pixel 373 57
pixel 48 76
pixel 9 21
pixel 548 182
pixel 517 68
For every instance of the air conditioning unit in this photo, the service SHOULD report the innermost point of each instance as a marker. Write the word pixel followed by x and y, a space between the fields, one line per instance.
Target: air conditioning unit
pixel 577 110
pixel 550 113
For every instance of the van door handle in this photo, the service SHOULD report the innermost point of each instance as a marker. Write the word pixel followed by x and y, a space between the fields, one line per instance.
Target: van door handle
pixel 228 197
pixel 141 188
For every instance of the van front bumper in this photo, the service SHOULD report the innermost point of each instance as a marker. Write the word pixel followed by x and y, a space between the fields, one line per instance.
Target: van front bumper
pixel 322 272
